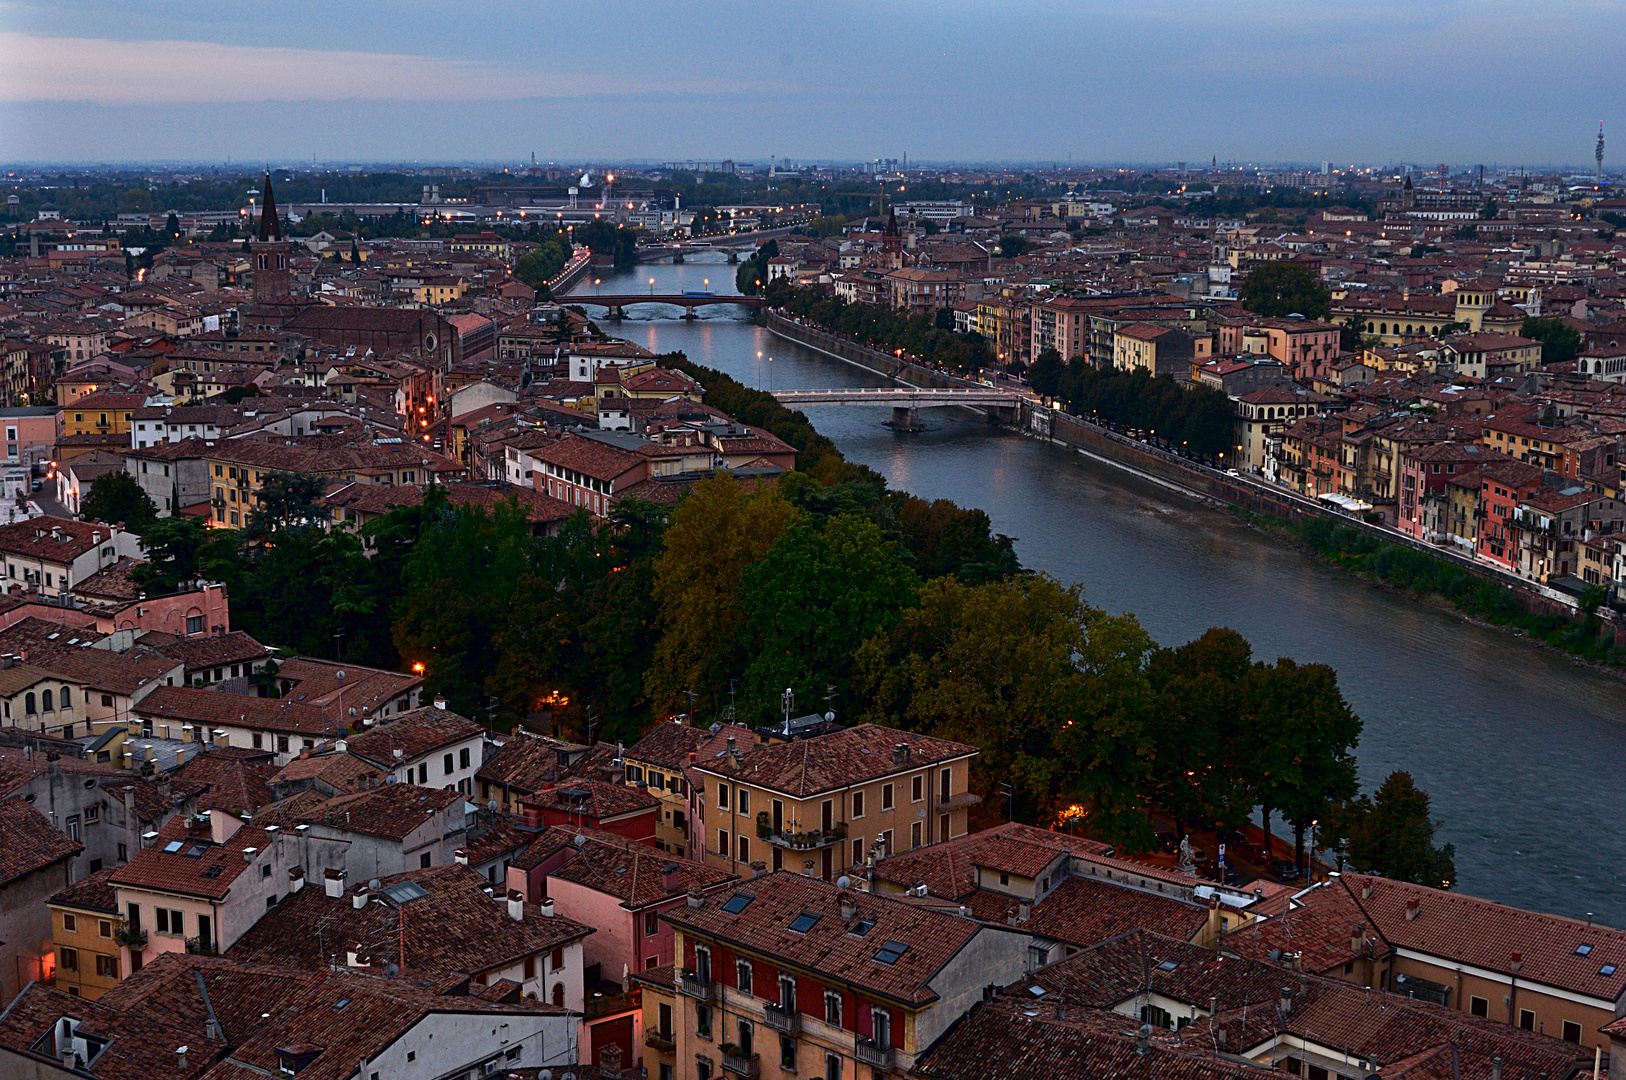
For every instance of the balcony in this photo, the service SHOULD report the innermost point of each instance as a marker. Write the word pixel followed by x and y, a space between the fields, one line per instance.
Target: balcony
pixel 806 841
pixel 955 802
pixel 661 1042
pixel 700 989
pixel 599 1004
pixel 740 1064
pixel 131 937
pixel 877 1057
pixel 784 1021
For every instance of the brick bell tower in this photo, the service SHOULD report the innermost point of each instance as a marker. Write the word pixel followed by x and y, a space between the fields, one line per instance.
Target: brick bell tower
pixel 272 280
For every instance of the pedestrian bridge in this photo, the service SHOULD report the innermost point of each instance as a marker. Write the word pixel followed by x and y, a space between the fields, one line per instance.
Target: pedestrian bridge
pixel 903 397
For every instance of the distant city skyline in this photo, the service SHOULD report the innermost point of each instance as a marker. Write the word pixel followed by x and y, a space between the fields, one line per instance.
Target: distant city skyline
pixel 1033 81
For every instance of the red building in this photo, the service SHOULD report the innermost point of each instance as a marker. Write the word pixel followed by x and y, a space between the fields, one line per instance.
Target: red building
pixel 1424 471
pixel 628 812
pixel 1502 488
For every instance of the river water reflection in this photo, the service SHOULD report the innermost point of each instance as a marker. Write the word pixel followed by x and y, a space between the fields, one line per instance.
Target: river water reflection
pixel 1521 748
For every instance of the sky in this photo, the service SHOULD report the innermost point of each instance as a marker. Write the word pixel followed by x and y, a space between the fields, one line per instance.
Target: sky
pixel 1354 81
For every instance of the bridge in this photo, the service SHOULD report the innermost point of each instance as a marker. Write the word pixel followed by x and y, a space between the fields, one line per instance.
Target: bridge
pixel 619 302
pixel 731 243
pixel 905 401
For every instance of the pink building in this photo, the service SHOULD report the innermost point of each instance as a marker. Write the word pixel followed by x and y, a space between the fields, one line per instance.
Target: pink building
pixel 619 887
pixel 30 434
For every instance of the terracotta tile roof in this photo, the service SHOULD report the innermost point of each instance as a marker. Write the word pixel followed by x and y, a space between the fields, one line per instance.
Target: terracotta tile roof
pixel 949 870
pixel 668 745
pixel 236 780
pixel 454 927
pixel 205 652
pixel 94 893
pixel 29 842
pixel 391 811
pixel 1084 912
pixel 197 867
pixel 594 799
pixel 55 540
pixel 526 763
pixel 636 874
pixel 181 705
pixel 855 755
pixel 340 771
pixel 416 733
pixel 141 1049
pixel 827 949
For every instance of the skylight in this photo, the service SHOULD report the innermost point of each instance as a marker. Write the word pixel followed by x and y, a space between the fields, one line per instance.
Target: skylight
pixel 403 891
pixel 861 927
pixel 1168 965
pixel 804 922
pixel 172 847
pixel 1607 970
pixel 891 952
pixel 737 903
pixel 1582 950
pixel 1037 991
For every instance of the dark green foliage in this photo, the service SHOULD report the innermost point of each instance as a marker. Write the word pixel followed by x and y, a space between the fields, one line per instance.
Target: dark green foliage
pixel 885 328
pixel 1560 342
pixel 1285 288
pixel 1012 245
pixel 1046 373
pixel 1392 833
pixel 285 500
pixel 752 275
pixel 544 261
pixel 1197 417
pixel 116 497
pixel 616 241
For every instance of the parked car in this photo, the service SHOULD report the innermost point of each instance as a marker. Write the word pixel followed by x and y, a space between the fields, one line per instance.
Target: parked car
pixel 1251 852
pixel 1286 869
pixel 1168 842
pixel 1224 874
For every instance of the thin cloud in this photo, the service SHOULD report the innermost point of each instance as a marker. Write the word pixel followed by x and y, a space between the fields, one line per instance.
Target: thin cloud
pixel 102 71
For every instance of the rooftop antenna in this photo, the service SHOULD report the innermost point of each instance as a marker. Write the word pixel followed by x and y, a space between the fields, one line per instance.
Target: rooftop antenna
pixel 829 697
pixel 728 717
pixel 787 701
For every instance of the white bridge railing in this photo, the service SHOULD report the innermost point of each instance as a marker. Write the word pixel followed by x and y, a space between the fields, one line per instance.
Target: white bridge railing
pixel 900 397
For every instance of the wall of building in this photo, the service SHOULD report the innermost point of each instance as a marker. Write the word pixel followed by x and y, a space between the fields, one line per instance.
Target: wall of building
pixel 25 952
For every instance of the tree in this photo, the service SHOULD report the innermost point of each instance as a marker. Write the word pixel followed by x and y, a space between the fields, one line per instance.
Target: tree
pixel 1392 834
pixel 1489 211
pixel 116 497
pixel 1012 245
pixel 1278 289
pixel 944 319
pixel 172 226
pixel 718 531
pixel 1045 374
pixel 1352 334
pixel 285 500
pixel 752 275
pixel 1197 715
pixel 543 262
pixel 182 548
pixel 1560 342
pixel 811 600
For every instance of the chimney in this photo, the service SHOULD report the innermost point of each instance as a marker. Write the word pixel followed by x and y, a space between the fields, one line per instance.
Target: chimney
pixel 341 746
pixel 180 1058
pixel 1414 907
pixel 759 869
pixel 296 879
pixel 1223 1035
pixel 849 908
pixel 358 899
pixel 440 703
pixel 516 905
pixel 1357 939
pixel 670 879
pixel 1516 962
pixel 546 907
pixel 1496 1068
pixel 211 1029
pixel 1287 1000
pixel 732 752
pixel 696 899
pixel 900 752
pixel 334 883
pixel 222 826
pixel 1366 891
pixel 461 856
pixel 609 1062
pixel 249 853
pixel 1143 1039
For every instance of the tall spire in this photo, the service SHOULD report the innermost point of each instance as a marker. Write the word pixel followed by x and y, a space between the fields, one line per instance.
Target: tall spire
pixel 1598 153
pixel 270 227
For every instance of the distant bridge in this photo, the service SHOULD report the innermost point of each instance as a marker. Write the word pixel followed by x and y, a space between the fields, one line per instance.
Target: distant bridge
pixel 619 302
pixel 905 401
pixel 733 244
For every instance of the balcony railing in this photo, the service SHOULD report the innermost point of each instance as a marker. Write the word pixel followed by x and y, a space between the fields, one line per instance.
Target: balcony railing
pixel 878 1057
pixel 131 937
pixel 700 989
pixel 741 1064
pixel 664 1043
pixel 808 841
pixel 785 1021
pixel 200 946
pixel 600 1004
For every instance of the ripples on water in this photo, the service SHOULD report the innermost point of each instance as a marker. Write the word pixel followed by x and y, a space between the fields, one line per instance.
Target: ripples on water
pixel 1520 748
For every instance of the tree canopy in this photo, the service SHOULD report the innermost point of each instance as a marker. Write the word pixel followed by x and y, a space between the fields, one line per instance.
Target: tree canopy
pixel 1560 342
pixel 1284 288
pixel 116 497
pixel 1392 833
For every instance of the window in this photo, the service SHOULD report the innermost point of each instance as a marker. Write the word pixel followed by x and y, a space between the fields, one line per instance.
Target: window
pixel 424 860
pixel 282 744
pixel 664 1021
pixel 1572 1032
pixel 787 993
pixel 745 849
pixel 914 835
pixel 742 971
pixel 832 1067
pixel 886 796
pixel 943 787
pixel 917 787
pixel 742 801
pixel 832 1008
pixel 423 772
pixel 858 851
pixel 556 960
pixel 787 1053
pixel 943 827
pixel 702 1021
pixel 93 814
pixel 1527 1019
pixel 530 967
pixel 722 796
pixel 657 780
pixel 258 740
pixel 70 922
pixel 558 996
pixel 881 1024
pixel 104 928
pixel 1479 1006
pixel 463 758
pixel 169 921
pixel 722 842
pixel 891 952
pixel 804 922
pixel 107 967
pixel 858 804
pixel 746 1032
pixel 447 767
pixel 885 840
pixel 67 959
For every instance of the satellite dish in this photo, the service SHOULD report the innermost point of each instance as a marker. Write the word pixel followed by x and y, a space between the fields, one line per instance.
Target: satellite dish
pixel 581 841
pixel 492 806
pixel 392 969
pixel 545 1074
pixel 374 885
pixel 844 882
pixel 829 717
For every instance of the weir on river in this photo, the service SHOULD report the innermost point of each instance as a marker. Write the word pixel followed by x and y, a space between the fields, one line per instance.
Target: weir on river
pixel 1522 749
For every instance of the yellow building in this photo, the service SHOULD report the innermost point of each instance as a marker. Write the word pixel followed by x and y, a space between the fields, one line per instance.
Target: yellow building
pixel 433 291
pixel 826 803
pixel 86 932
pixel 104 413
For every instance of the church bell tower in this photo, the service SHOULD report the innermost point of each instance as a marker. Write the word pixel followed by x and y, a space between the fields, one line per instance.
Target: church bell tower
pixel 272 281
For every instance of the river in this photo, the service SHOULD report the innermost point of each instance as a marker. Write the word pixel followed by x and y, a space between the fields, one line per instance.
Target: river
pixel 1522 750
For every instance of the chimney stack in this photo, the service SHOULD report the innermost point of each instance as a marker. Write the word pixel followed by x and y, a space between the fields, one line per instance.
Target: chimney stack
pixel 1496 1068
pixel 849 908
pixel 670 877
pixel 516 905
pixel 609 1062
pixel 211 1029
pixel 461 856
pixel 440 703
pixel 1516 962
pixel 334 883
pixel 1287 1000
pixel 1143 1039
pixel 180 1058
pixel 358 899
pixel 1414 907
pixel 296 879
pixel 547 907
pixel 696 899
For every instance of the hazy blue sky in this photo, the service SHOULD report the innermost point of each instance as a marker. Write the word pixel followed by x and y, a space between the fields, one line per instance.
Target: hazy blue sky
pixel 1122 80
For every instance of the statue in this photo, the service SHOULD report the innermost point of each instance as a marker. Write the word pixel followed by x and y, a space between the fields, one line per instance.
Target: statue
pixel 1186 864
